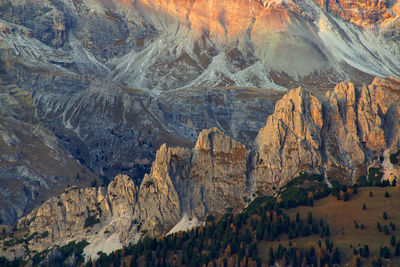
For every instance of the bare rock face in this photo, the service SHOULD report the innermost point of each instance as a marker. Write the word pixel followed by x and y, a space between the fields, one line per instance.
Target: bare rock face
pixel 359 127
pixel 338 137
pixel 218 173
pixel 290 142
pixel 82 214
pixel 343 147
pixel 361 12
pixel 208 179
pixel 33 164
pixel 142 67
pixel 122 197
pixel 158 201
pixel 64 217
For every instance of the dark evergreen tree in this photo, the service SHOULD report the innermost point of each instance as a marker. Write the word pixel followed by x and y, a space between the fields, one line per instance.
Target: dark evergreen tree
pixel 271 260
pixel 336 256
pixel 309 218
pixel 386 230
pixel 379 227
pixel 377 262
pixel 366 251
pixel 384 252
pixel 327 231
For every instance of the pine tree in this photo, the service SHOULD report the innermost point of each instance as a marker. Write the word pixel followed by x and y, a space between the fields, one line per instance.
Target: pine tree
pixel 356 261
pixel 247 237
pixel 397 250
pixel 327 231
pixel 309 218
pixel 271 256
pixel 379 227
pixel 336 256
pixel 366 251
pixel 386 230
pixel 384 252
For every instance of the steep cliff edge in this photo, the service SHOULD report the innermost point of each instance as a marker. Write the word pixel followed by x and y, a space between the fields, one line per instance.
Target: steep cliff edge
pixel 338 136
pixel 290 142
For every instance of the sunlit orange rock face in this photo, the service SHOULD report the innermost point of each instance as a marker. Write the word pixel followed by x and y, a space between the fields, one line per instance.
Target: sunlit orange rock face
pixel 231 17
pixel 299 38
pixel 361 12
pixel 222 19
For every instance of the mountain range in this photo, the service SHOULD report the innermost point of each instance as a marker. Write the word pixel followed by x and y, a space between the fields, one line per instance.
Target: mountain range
pixel 172 95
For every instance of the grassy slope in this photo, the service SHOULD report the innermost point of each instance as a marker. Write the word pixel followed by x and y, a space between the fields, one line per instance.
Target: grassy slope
pixel 339 215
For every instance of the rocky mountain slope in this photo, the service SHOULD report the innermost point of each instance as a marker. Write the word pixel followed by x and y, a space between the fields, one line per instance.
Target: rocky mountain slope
pixel 113 80
pixel 339 136
pixel 33 164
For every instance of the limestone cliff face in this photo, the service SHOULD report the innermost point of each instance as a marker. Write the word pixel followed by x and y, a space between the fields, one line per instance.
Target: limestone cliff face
pixel 218 173
pixel 290 141
pixel 359 127
pixel 159 205
pixel 81 213
pixel 339 136
pixel 208 179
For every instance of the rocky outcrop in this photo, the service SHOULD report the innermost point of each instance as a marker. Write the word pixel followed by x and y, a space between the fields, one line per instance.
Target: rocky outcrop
pixel 218 174
pixel 78 214
pixel 159 203
pixel 209 179
pixel 290 142
pixel 338 136
pixel 358 126
pixel 206 180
